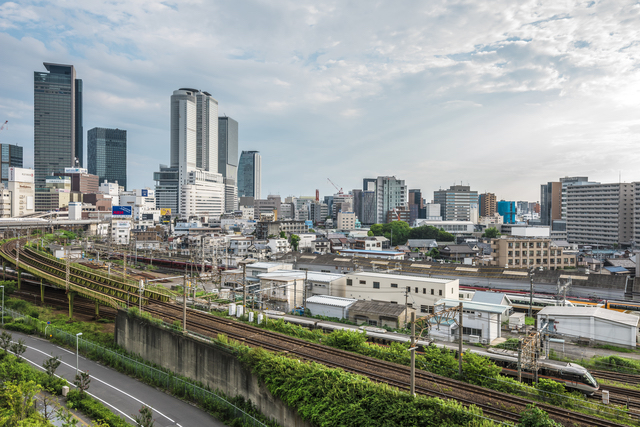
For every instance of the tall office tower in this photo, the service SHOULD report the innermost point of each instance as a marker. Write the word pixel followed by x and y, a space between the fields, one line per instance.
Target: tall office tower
pixel 458 203
pixel 600 214
pixel 194 132
pixel 228 160
pixel 390 193
pixel 416 206
pixel 487 204
pixel 107 154
pixel 357 202
pixel 249 174
pixel 57 125
pixel 369 184
pixel 566 182
pixel 11 158
pixel 550 202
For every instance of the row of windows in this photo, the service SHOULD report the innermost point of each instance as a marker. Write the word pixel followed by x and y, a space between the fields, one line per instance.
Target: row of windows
pixel 376 285
pixel 537 261
pixel 531 244
pixel 538 253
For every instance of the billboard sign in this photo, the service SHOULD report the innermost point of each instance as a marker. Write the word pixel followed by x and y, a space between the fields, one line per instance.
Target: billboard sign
pixel 121 211
pixel 75 170
pixel 145 193
pixel 20 175
pixel 147 217
pixel 165 211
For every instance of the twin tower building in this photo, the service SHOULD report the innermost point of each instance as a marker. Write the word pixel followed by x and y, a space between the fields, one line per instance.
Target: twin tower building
pixel 205 176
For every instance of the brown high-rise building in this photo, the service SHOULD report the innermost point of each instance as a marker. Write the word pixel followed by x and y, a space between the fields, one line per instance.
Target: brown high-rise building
pixel 550 202
pixel 487 204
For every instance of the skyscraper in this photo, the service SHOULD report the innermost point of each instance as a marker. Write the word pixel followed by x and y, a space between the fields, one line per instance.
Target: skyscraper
pixel 487 204
pixel 390 193
pixel 458 203
pixel 57 125
pixel 11 158
pixel 550 202
pixel 250 174
pixel 228 159
pixel 107 154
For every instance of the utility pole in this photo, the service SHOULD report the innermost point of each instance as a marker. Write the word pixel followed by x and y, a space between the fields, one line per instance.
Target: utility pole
pixel 531 293
pixel 304 294
pixel 520 361
pixel 124 270
pixel 460 312
pixel 244 287
pixel 413 352
pixel 406 303
pixel 67 269
pixel 18 263
pixel 184 301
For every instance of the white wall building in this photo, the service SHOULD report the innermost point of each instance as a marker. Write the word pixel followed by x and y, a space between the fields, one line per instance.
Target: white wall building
pixel 23 190
pixel 390 193
pixel 420 293
pixel 279 246
pixel 202 195
pixel 481 321
pixel 453 227
pixel 75 211
pixel 142 202
pixel 111 191
pixel 120 232
pixel 346 221
pixel 597 324
pixel 5 202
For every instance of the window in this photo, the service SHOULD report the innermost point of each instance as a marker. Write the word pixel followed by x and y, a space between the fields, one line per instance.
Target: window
pixel 538 253
pixel 510 253
pixel 566 260
pixel 517 253
pixel 424 291
pixel 472 331
pixel 559 261
pixel 432 292
pixel 363 282
pixel 424 309
pixel 510 244
pixel 451 290
pixel 394 285
pixel 440 292
pixel 417 291
pixel 510 262
pixel 349 282
pixel 376 285
pixel 517 245
pixel 530 253
pixel 373 322
pixel 409 289
pixel 538 245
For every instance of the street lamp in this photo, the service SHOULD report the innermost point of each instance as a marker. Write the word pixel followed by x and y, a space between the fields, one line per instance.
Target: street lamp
pixel 77 358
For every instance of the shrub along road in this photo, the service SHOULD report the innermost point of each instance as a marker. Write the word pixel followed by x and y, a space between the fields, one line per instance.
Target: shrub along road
pixel 123 395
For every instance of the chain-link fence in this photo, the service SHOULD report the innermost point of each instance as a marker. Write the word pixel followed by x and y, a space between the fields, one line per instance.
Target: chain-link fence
pixel 207 399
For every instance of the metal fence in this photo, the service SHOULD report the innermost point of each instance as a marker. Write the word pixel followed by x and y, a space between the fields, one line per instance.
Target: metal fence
pixel 207 399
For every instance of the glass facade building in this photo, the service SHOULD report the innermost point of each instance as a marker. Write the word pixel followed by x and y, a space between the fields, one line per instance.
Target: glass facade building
pixel 57 111
pixel 107 154
pixel 11 158
pixel 250 174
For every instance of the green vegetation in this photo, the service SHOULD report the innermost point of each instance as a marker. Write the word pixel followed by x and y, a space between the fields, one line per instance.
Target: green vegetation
pixel 329 397
pixel 94 409
pixel 403 232
pixel 530 321
pixel 536 417
pixel 491 233
pixel 615 348
pixel 510 344
pixel 295 241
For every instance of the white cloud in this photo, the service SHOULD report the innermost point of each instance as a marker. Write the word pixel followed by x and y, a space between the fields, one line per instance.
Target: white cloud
pixel 552 79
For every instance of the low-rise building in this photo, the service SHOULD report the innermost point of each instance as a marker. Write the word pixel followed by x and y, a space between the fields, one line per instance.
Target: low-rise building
pixel 481 322
pixel 264 229
pixel 530 252
pixel 595 324
pixel 324 305
pixel 279 246
pixel 346 220
pixel 420 293
pixel 378 313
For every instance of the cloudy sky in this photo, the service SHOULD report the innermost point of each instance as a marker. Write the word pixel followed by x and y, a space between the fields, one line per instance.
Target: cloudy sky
pixel 501 95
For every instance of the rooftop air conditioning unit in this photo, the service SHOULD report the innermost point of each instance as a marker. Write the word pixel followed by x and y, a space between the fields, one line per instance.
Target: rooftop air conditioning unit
pixel 484 341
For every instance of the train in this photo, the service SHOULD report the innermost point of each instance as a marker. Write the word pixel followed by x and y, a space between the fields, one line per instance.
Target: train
pixel 572 375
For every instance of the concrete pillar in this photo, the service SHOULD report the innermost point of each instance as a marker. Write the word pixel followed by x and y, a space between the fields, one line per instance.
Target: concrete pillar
pixel 19 278
pixel 70 296
pixel 4 270
pixel 41 292
pixel 97 310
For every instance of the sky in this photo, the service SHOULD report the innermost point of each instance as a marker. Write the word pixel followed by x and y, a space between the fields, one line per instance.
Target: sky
pixel 502 96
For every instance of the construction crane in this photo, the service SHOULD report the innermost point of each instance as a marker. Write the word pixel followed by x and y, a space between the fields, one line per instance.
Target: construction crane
pixel 5 125
pixel 336 187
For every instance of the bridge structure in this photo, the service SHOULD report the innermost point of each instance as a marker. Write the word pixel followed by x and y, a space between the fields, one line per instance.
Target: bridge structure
pixel 76 279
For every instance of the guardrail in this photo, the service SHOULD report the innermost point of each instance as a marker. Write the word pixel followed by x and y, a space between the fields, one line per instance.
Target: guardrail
pixel 145 372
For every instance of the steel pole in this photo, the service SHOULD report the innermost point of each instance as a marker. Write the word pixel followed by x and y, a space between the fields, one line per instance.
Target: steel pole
pixel 413 353
pixel 2 305
pixel 77 352
pixel 460 341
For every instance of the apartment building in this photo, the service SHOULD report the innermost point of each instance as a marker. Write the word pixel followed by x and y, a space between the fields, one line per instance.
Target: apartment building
pixel 458 203
pixel 420 293
pixel 530 252
pixel 264 229
pixel 346 221
pixel 600 214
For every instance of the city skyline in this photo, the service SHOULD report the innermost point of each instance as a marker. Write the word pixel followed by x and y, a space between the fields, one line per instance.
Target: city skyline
pixel 526 95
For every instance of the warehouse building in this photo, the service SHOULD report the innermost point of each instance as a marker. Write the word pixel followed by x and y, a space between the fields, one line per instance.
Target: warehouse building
pixel 593 324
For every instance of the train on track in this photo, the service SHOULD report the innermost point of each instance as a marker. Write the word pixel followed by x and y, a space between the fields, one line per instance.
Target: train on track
pixel 572 375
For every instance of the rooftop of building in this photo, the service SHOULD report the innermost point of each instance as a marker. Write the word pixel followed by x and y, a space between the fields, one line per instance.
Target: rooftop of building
pixel 388 309
pixel 400 277
pixel 601 313
pixel 330 300
pixel 475 306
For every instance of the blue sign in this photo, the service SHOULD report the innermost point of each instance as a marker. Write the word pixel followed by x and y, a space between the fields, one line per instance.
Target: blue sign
pixel 145 193
pixel 121 210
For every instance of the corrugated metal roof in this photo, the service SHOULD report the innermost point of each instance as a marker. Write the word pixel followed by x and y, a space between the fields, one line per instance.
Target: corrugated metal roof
pixel 616 269
pixel 600 313
pixel 329 300
pixel 400 277
pixel 378 307
pixel 313 276
pixel 488 297
pixel 475 306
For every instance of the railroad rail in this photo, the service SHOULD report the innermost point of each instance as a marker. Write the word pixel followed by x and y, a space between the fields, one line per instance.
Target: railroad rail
pixel 617 376
pixel 490 401
pixel 91 284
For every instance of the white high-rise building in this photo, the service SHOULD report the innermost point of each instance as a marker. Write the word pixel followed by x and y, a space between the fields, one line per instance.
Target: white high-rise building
pixel 22 188
pixel 390 193
pixel 194 148
pixel 203 195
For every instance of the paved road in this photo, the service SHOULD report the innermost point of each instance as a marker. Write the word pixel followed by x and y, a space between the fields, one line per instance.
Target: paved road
pixel 120 393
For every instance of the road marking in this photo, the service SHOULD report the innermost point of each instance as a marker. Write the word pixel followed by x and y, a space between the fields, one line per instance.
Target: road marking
pixel 64 349
pixel 107 384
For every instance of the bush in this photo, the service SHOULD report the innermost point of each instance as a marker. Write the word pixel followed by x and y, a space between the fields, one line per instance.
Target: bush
pixel 551 391
pixel 536 417
pixel 510 344
pixel 20 327
pixel 346 340
pixel 94 409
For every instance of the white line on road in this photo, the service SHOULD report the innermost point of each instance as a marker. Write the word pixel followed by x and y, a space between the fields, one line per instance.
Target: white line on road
pixel 64 349
pixel 107 384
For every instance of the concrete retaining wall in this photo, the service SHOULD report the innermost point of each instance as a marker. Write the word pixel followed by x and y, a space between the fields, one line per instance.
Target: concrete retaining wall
pixel 198 360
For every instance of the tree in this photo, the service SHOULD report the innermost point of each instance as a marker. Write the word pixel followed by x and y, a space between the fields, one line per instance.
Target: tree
pixel 295 240
pixel 51 364
pixel 491 233
pixel 18 398
pixel 429 232
pixel 65 417
pixel 18 348
pixel 536 417
pixel 370 233
pixel 82 382
pixel 145 417
pixel 433 253
pixel 5 341
pixel 283 235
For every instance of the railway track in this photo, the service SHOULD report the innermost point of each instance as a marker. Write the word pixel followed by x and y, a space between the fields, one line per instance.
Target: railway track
pixel 494 404
pixel 617 376
pixel 490 401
